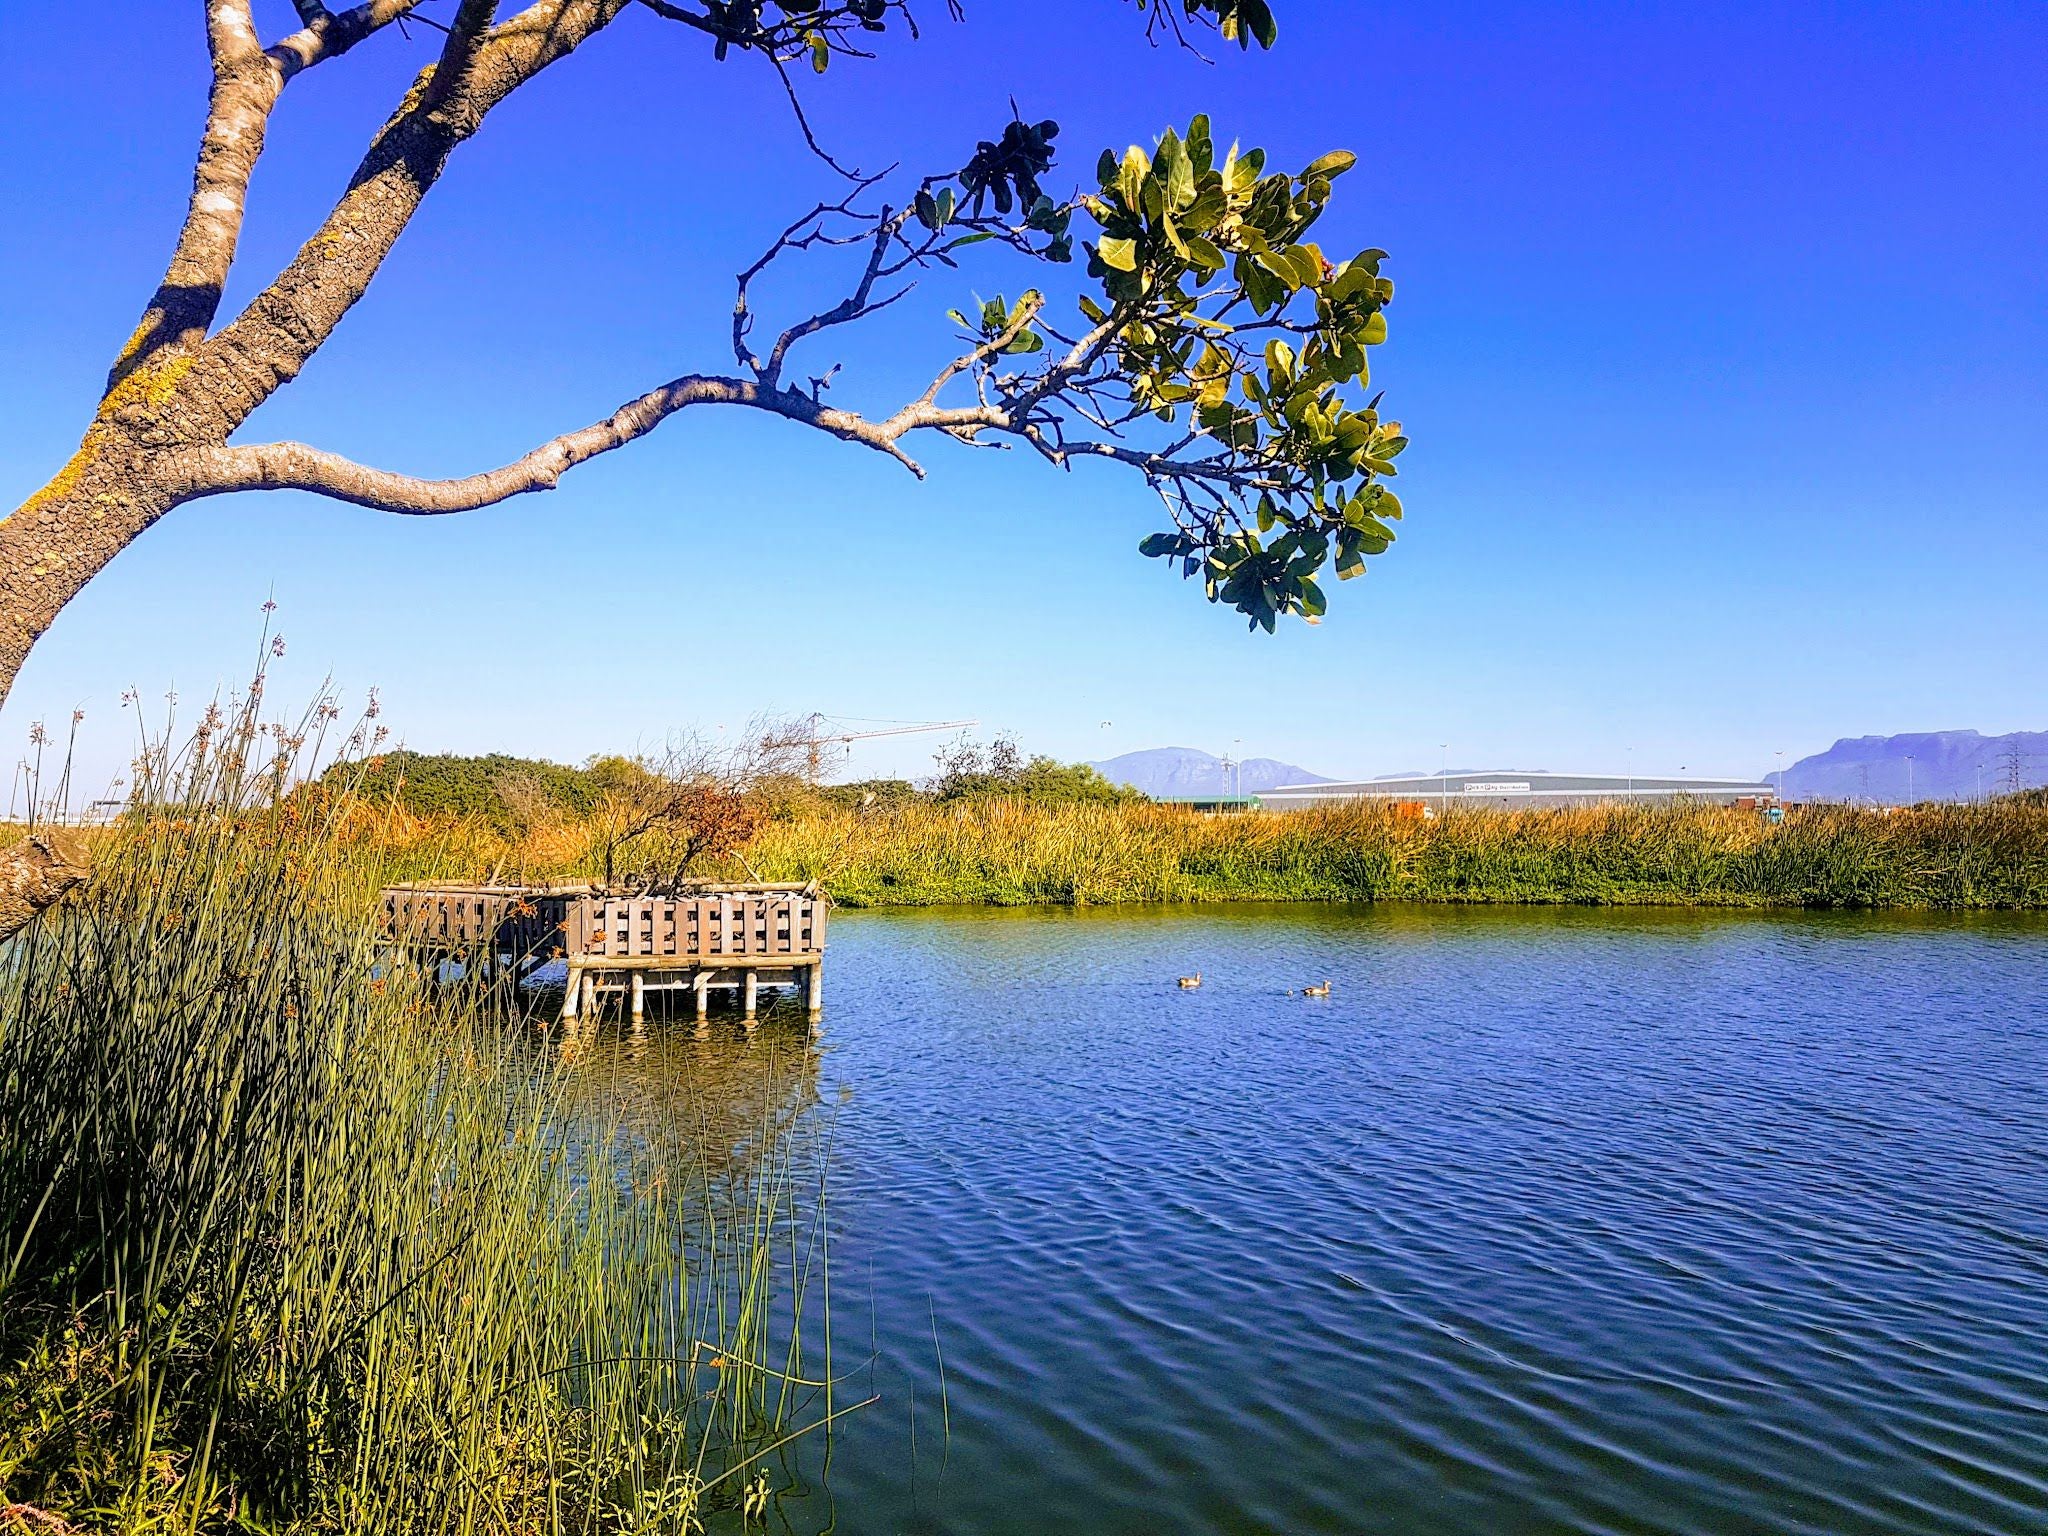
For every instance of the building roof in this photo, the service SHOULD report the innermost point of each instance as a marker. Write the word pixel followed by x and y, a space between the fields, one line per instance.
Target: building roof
pixel 1506 783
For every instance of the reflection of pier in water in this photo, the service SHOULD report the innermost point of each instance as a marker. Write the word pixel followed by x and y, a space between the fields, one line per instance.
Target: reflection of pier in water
pixel 717 1142
pixel 732 939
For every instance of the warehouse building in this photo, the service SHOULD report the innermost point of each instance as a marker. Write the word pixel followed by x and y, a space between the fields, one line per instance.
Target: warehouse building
pixel 1517 790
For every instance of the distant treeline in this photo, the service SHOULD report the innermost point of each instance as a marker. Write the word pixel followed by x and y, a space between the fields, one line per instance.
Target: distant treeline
pixel 511 794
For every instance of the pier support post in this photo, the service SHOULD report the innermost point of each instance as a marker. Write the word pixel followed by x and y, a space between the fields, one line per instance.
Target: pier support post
pixel 814 987
pixel 638 988
pixel 702 985
pixel 572 995
pixel 750 994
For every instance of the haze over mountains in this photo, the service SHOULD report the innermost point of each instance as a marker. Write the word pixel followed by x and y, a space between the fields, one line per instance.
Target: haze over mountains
pixel 1880 770
pixel 1921 765
pixel 1169 773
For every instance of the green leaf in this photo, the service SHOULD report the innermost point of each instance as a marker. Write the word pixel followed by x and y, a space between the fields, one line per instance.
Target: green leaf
pixel 1131 178
pixel 821 52
pixel 1330 166
pixel 1258 20
pixel 1307 265
pixel 1178 171
pixel 1277 265
pixel 1352 279
pixel 1121 254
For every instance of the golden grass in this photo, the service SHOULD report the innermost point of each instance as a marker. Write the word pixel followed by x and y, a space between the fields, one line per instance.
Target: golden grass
pixel 1003 852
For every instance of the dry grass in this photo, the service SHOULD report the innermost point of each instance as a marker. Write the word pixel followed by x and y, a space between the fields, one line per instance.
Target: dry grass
pixel 1005 852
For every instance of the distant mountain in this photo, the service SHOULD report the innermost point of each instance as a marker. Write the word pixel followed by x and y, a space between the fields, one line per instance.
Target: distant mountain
pixel 1185 772
pixel 1924 765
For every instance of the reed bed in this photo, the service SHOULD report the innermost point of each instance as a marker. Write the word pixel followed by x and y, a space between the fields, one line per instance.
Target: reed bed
pixel 1005 853
pixel 1011 852
pixel 296 1239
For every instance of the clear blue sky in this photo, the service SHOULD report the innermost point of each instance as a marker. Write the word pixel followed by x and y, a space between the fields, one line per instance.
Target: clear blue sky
pixel 1721 336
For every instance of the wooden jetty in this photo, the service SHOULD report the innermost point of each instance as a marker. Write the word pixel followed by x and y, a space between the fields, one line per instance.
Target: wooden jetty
pixel 728 938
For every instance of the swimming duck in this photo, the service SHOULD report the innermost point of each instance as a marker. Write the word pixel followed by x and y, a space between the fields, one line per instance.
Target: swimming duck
pixel 1322 991
pixel 1191 982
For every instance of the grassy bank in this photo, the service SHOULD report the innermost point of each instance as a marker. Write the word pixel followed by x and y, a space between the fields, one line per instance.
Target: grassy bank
pixel 294 1241
pixel 1992 855
pixel 1003 851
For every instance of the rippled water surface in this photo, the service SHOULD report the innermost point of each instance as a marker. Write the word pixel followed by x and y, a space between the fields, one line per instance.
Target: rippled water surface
pixel 1541 1222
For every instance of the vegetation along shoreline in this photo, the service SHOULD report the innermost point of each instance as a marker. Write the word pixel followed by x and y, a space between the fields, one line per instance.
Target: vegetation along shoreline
pixel 1002 830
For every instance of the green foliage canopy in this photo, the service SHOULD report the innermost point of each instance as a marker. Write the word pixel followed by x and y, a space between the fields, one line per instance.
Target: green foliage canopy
pixel 1216 347
pixel 1220 351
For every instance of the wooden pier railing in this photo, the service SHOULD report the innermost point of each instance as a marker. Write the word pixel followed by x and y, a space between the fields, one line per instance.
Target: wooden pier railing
pixel 721 937
pixel 650 930
pixel 513 920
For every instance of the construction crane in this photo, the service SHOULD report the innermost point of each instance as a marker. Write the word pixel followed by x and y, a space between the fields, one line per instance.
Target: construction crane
pixel 810 735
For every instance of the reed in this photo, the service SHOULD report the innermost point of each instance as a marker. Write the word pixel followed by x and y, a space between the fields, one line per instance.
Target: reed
pixel 1014 852
pixel 1005 853
pixel 296 1239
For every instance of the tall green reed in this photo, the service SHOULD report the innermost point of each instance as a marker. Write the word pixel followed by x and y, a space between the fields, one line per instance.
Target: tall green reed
pixel 1687 853
pixel 297 1236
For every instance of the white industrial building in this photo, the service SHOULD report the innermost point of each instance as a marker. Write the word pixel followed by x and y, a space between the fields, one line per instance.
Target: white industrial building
pixel 1515 789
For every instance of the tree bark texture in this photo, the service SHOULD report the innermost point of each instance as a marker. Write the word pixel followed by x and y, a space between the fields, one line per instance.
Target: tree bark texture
pixel 35 875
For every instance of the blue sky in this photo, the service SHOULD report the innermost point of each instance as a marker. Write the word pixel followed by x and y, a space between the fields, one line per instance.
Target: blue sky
pixel 1720 336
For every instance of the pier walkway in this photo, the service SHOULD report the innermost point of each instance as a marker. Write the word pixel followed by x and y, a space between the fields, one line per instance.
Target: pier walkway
pixel 732 939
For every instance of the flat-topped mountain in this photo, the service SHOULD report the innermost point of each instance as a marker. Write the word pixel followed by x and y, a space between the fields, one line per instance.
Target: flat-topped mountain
pixel 1921 765
pixel 1168 773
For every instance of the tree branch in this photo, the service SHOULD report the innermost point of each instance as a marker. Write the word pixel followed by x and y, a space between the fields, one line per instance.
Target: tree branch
pixel 458 53
pixel 247 79
pixel 297 467
pixel 269 342
pixel 237 112
pixel 329 34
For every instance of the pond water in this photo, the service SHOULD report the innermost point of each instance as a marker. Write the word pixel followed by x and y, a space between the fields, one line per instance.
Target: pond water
pixel 1543 1221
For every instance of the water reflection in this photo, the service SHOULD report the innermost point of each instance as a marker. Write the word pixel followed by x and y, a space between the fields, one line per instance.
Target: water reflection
pixel 723 1128
pixel 1543 1221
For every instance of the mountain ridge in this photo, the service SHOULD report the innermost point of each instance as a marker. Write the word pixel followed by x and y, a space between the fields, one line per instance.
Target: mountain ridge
pixel 1170 773
pixel 1920 765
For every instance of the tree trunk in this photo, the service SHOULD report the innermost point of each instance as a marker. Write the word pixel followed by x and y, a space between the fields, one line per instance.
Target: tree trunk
pixel 35 875
pixel 53 544
pixel 65 534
